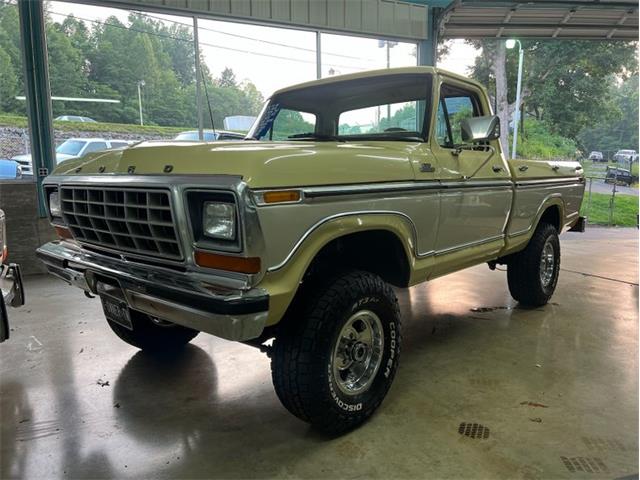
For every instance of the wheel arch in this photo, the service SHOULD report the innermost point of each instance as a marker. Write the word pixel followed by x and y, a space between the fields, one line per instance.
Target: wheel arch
pixel 389 236
pixel 551 211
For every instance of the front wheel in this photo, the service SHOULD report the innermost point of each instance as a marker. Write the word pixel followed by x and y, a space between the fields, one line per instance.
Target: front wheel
pixel 333 365
pixel 532 274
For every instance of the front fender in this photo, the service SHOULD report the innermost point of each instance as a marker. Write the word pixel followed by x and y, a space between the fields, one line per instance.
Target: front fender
pixel 282 281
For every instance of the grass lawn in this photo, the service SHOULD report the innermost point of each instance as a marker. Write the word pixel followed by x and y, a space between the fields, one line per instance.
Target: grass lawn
pixel 624 213
pixel 21 122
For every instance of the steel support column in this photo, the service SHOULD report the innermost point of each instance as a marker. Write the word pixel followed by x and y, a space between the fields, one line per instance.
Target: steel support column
pixel 427 49
pixel 36 79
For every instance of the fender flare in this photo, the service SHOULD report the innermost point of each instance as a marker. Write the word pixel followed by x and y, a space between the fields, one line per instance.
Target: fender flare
pixel 282 282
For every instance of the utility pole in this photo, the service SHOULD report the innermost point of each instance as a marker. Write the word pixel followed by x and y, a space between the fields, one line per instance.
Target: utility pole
pixel 141 83
pixel 510 44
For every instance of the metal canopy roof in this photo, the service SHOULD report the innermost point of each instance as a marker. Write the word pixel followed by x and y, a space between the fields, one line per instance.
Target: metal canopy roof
pixel 578 19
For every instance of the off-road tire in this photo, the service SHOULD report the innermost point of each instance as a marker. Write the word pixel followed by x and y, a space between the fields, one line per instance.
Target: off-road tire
pixel 303 352
pixel 149 336
pixel 523 270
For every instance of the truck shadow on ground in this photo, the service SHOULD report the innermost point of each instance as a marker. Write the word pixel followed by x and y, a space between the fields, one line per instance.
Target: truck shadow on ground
pixel 170 404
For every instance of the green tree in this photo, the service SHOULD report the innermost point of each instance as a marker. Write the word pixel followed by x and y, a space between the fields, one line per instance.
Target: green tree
pixel 567 83
pixel 227 79
pixel 8 83
pixel 617 131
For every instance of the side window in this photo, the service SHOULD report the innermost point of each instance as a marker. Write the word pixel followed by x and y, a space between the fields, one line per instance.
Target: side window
pixel 292 123
pixel 95 146
pixel 454 106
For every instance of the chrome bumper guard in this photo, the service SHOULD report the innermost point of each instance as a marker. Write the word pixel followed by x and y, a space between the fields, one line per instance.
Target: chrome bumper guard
pixel 171 296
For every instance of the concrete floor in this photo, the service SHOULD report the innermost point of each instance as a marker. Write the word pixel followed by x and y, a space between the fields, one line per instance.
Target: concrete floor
pixel 559 381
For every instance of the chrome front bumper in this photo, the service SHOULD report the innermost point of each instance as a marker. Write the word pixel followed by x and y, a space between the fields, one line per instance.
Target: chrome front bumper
pixel 166 294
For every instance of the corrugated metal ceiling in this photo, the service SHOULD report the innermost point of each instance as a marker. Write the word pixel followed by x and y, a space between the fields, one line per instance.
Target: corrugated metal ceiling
pixel 586 19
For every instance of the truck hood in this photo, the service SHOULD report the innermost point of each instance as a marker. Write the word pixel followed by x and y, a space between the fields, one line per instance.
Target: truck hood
pixel 260 164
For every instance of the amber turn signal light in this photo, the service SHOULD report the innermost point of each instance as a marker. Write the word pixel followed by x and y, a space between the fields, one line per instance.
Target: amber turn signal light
pixel 63 233
pixel 226 262
pixel 281 196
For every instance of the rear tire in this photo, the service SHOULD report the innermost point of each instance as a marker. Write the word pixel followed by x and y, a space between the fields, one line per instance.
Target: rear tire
pixel 532 274
pixel 333 364
pixel 148 335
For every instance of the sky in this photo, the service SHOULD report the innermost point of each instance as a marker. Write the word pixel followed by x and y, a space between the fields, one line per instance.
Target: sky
pixel 272 57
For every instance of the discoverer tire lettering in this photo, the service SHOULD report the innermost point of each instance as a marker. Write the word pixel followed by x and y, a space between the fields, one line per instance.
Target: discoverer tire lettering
pixel 303 353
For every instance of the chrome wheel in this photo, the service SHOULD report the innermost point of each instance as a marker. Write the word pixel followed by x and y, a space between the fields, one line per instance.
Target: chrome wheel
pixel 358 352
pixel 547 263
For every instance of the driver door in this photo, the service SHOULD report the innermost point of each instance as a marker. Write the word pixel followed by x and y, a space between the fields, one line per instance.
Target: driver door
pixel 477 191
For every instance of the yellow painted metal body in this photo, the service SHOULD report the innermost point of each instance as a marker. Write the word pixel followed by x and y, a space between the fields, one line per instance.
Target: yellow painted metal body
pixel 456 222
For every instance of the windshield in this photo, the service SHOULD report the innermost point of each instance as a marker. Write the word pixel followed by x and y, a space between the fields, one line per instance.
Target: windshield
pixel 71 147
pixel 383 107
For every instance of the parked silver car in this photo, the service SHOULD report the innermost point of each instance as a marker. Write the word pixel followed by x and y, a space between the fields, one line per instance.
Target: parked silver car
pixel 596 156
pixel 625 156
pixel 72 148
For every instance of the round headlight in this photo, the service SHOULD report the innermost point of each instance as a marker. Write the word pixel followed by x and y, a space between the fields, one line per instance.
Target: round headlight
pixel 219 220
pixel 54 204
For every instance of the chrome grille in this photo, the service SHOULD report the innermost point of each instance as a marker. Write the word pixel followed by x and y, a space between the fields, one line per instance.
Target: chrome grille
pixel 123 219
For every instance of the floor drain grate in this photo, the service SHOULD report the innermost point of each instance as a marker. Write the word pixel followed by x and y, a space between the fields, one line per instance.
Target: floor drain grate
pixel 584 464
pixel 597 443
pixel 473 430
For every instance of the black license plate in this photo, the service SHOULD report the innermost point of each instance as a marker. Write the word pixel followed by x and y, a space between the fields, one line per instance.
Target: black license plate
pixel 117 311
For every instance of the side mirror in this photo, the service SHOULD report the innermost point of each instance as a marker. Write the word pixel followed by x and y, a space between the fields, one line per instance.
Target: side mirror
pixel 480 129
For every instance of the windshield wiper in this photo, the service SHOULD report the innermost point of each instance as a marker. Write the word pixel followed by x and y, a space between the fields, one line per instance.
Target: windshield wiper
pixel 314 136
pixel 381 138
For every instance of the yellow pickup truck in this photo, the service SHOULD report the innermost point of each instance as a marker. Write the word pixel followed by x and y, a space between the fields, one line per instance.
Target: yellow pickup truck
pixel 291 240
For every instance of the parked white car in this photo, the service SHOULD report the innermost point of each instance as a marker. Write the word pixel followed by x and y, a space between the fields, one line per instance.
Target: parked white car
pixel 624 156
pixel 209 136
pixel 74 118
pixel 72 148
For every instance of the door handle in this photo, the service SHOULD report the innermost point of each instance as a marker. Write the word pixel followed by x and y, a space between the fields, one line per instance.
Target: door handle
pixel 496 169
pixel 523 168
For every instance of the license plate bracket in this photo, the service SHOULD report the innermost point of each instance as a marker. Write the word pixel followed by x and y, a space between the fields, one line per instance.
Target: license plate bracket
pixel 114 305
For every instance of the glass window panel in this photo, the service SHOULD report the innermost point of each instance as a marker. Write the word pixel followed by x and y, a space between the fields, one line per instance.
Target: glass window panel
pixel 342 54
pixel 115 72
pixel 15 144
pixel 397 117
pixel 244 64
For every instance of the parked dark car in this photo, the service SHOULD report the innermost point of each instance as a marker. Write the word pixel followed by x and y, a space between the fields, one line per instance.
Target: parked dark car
pixel 619 176
pixel 11 289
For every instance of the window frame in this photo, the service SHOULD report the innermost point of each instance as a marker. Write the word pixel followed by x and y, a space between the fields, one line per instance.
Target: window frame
pixel 472 93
